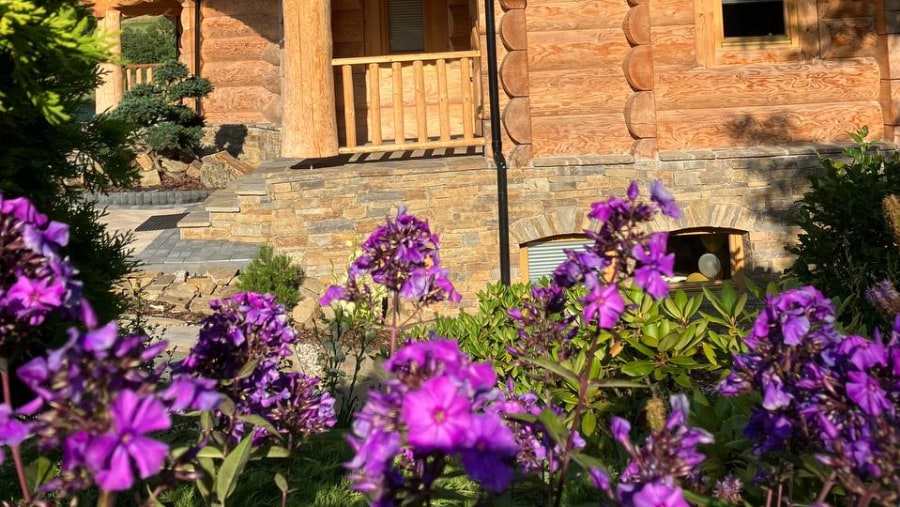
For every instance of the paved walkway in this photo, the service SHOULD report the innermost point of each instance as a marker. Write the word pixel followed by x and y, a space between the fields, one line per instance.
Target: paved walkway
pixel 165 250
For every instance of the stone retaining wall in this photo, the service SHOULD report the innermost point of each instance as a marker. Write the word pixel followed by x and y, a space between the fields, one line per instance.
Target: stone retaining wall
pixel 317 215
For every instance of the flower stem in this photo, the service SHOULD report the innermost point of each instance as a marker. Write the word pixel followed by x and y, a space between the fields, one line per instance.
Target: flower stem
pixel 106 499
pixel 395 316
pixel 14 449
pixel 826 488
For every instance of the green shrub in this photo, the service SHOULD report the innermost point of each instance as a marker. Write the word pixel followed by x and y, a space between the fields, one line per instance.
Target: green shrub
pixel 148 40
pixel 168 127
pixel 48 64
pixel 273 274
pixel 846 245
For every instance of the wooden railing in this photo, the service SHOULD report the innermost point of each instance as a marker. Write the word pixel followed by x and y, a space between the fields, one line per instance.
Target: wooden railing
pixel 139 74
pixel 409 101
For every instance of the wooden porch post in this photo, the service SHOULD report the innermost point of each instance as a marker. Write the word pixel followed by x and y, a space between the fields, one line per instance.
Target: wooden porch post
pixel 109 93
pixel 309 125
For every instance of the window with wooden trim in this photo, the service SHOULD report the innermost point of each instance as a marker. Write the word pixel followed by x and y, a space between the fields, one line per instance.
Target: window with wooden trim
pixel 406 26
pixel 538 259
pixel 755 31
pixel 707 256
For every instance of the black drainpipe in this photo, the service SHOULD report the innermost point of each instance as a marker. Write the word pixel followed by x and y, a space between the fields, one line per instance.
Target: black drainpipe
pixel 197 48
pixel 496 141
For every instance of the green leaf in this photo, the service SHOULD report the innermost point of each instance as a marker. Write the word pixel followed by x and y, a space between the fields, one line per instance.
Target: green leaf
pixel 260 421
pixel 613 383
pixel 554 426
pixel 38 472
pixel 668 343
pixel 554 367
pixel 638 368
pixel 232 468
pixel 588 423
pixel 210 452
pixel 248 368
pixel 281 482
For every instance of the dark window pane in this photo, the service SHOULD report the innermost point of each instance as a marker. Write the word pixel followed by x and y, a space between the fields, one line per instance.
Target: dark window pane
pixel 406 26
pixel 753 18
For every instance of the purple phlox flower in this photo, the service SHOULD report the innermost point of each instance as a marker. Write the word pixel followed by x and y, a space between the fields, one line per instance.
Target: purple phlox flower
pixel 867 393
pixel 620 430
pixel 12 430
pixel 110 456
pixel 885 298
pixel 656 494
pixel 604 210
pixel 490 448
pixel 436 416
pixel 600 480
pixel 654 263
pixel 32 299
pixel 605 305
pixel 664 200
pixel 333 293
pixel 774 396
pixel 769 431
pixel 729 489
pixel 863 353
pixel 191 393
pixel 632 192
pixel 100 340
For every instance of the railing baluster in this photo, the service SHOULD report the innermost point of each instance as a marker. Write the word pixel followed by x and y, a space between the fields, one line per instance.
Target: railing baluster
pixel 421 115
pixel 375 102
pixel 465 80
pixel 349 105
pixel 149 75
pixel 443 99
pixel 397 74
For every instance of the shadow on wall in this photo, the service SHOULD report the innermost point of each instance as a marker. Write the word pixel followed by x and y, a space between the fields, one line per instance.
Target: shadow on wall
pixel 230 138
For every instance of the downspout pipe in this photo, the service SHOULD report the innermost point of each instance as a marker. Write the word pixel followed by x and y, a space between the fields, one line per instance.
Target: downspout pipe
pixel 496 141
pixel 197 48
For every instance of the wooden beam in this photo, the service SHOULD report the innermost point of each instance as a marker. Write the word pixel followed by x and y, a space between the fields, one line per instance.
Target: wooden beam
pixel 309 127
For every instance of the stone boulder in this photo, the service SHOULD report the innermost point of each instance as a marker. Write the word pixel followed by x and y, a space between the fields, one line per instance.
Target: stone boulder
pixel 220 169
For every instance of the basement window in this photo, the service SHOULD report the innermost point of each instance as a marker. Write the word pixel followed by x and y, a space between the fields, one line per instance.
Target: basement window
pixel 538 259
pixel 707 256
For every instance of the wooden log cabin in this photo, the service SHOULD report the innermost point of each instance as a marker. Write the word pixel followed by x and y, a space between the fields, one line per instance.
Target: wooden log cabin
pixel 729 102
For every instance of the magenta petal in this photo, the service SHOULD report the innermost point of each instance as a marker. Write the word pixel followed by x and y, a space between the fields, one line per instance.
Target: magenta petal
pixel 117 476
pixel 148 455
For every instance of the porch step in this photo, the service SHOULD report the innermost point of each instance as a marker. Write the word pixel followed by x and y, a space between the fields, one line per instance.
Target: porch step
pixel 222 201
pixel 195 219
pixel 253 184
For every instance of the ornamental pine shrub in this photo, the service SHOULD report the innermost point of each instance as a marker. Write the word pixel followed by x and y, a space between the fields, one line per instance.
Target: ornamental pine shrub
pixel 846 245
pixel 167 124
pixel 268 273
pixel 48 64
pixel 148 40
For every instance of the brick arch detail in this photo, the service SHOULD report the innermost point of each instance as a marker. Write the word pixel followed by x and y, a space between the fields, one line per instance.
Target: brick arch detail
pixel 572 220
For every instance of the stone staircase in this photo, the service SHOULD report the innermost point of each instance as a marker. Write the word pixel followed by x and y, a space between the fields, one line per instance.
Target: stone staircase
pixel 242 212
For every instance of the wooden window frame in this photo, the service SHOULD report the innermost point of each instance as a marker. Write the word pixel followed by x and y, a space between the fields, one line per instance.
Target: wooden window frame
pixel 736 255
pixel 377 38
pixel 800 42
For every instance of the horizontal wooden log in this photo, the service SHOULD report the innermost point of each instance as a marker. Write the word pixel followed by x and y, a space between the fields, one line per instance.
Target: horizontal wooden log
pixel 513 4
pixel 239 8
pixel 583 15
pixel 645 148
pixel 638 67
pixel 637 25
pixel 580 135
pixel 238 49
pixel 762 125
pixel 252 73
pixel 847 37
pixel 234 117
pixel 674 45
pixel 577 49
pixel 517 120
pixel 851 80
pixel 514 73
pixel 579 92
pixel 513 31
pixel 845 9
pixel 239 99
pixel 256 25
pixel 672 12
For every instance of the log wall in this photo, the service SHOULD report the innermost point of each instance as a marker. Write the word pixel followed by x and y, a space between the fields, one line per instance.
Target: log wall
pixel 240 54
pixel 815 90
pixel 576 82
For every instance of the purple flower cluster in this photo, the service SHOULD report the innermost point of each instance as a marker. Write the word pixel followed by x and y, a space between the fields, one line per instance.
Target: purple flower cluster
pixel 835 396
pixel 402 256
pixel 538 453
pixel 98 405
pixel 245 346
pixel 36 279
pixel 620 249
pixel 543 324
pixel 434 405
pixel 669 454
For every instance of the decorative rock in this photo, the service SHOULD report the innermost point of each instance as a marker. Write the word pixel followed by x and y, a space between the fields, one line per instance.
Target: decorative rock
pixel 200 304
pixel 205 285
pixel 193 170
pixel 221 276
pixel 220 169
pixel 145 162
pixel 150 178
pixel 173 166
pixel 304 314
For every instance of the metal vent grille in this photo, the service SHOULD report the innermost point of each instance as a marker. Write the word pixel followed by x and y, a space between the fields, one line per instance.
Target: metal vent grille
pixel 543 258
